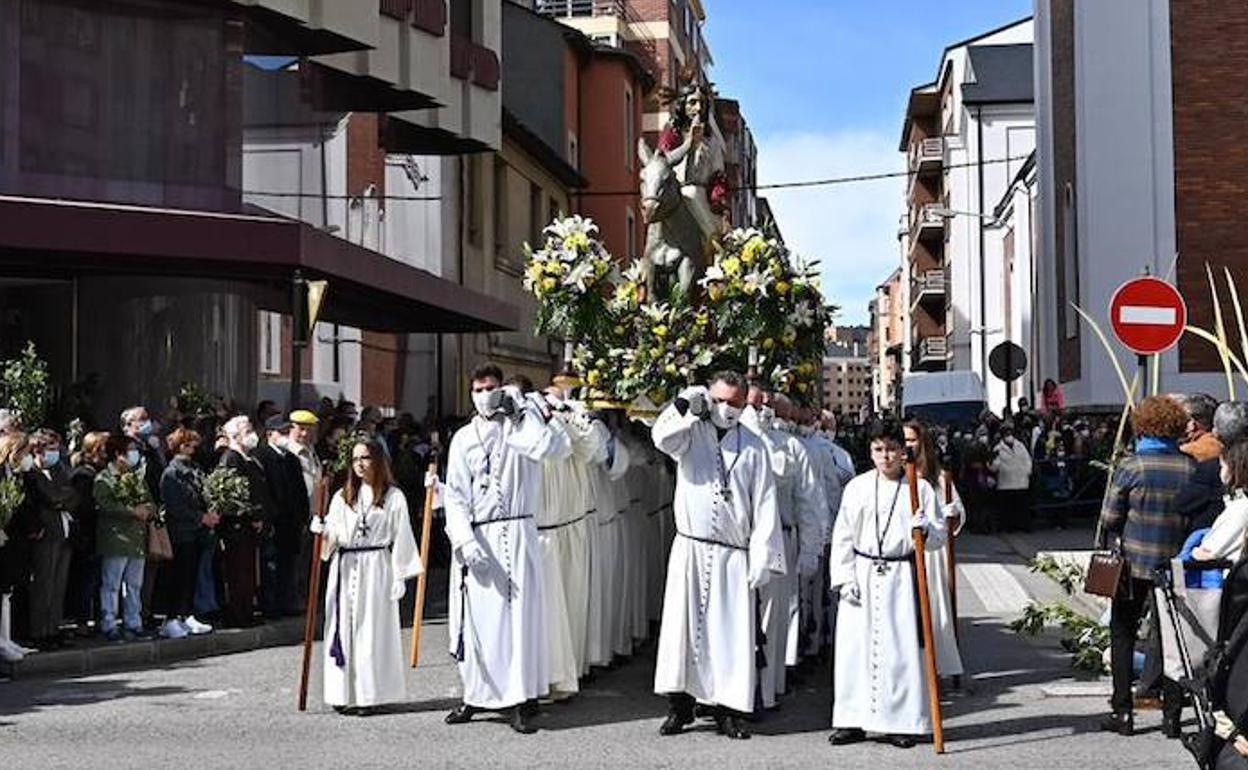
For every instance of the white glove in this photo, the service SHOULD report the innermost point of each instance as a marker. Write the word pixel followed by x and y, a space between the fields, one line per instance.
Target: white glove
pixel 539 403
pixel 851 593
pixel 317 525
pixel 918 521
pixel 476 558
pixel 808 564
pixel 397 589
pixel 760 578
pixel 697 399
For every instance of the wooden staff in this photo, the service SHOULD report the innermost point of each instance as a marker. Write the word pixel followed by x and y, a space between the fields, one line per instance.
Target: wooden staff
pixel 953 559
pixel 925 609
pixel 422 581
pixel 320 498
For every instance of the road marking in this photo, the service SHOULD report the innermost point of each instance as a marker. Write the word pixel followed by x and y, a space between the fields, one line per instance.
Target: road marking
pixel 998 590
pixel 214 694
pixel 1143 314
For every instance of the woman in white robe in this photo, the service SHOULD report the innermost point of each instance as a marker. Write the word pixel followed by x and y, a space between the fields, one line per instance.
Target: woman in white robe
pixel 368 538
pixel 879 682
pixel 939 581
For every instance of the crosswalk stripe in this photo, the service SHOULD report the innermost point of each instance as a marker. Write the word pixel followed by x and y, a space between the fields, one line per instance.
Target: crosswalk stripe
pixel 998 590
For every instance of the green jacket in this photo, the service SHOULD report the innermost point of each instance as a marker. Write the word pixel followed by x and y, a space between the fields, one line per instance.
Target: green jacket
pixel 118 533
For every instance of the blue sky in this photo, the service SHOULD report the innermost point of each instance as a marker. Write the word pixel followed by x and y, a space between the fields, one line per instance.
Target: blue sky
pixel 823 85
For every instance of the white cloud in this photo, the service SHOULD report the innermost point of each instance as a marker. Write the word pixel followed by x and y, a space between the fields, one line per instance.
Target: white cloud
pixel 851 228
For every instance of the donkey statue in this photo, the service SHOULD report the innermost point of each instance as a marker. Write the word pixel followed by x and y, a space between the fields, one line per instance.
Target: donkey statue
pixel 675 242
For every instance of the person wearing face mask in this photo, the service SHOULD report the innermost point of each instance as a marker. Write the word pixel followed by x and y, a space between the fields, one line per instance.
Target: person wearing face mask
pixel 290 517
pixel 52 499
pixel 497 598
pixel 121 539
pixel 138 426
pixel 802 508
pixel 242 535
pixel 190 525
pixel 729 544
pixel 607 498
pixel 1011 462
pixel 816 614
pixel 15 460
pixel 879 682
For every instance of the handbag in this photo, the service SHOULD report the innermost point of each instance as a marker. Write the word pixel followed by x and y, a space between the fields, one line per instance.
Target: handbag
pixel 159 546
pixel 1104 574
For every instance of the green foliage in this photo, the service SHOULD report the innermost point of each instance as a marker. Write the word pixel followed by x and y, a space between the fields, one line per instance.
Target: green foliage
pixel 194 401
pixel 342 454
pixel 26 386
pixel 131 490
pixel 1085 638
pixel 12 495
pixel 228 492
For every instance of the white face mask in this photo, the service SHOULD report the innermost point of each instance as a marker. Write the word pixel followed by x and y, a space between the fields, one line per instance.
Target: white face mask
pixel 251 441
pixel 481 401
pixel 767 416
pixel 724 415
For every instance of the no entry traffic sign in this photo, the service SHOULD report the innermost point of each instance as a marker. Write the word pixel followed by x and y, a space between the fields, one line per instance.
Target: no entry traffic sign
pixel 1148 315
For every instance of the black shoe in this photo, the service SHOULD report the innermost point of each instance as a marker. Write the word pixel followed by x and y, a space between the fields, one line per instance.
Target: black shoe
pixel 732 726
pixel 520 721
pixel 345 711
pixel 675 723
pixel 899 741
pixel 846 735
pixel 529 707
pixel 1116 722
pixel 1172 726
pixel 461 714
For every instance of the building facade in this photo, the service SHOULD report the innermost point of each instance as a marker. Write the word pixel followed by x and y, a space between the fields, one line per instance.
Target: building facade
pixel 1136 172
pixel 966 136
pixel 886 342
pixel 847 381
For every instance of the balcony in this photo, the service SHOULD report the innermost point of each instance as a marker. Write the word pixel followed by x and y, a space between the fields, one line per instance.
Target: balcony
pixel 930 354
pixel 928 289
pixel 570 8
pixel 926 222
pixel 927 155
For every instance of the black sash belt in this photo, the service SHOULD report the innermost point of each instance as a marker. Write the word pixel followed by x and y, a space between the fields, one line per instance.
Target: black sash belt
pixel 549 527
pixel 709 541
pixel 914 582
pixel 477 524
pixel 364 548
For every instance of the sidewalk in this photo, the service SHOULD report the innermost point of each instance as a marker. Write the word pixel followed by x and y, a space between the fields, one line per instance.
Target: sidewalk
pixel 1074 543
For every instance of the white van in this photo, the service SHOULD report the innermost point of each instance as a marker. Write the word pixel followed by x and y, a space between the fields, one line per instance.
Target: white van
pixel 943 398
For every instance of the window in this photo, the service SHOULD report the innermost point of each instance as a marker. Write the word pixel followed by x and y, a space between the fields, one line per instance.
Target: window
pixel 574 152
pixel 536 222
pixel 270 342
pixel 630 141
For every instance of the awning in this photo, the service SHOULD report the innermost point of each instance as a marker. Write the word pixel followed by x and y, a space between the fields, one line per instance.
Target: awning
pixel 50 238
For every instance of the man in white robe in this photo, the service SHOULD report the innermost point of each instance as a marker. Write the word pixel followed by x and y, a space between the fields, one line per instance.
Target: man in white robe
pixel 604 569
pixel 799 500
pixel 728 545
pixel 880 685
pixel 497 598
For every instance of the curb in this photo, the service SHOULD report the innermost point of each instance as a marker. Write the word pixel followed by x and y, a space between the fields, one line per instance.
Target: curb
pixel 157 652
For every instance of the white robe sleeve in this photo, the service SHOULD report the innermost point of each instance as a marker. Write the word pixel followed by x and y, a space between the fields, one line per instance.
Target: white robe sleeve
pixel 767 537
pixel 811 505
pixel 457 494
pixel 404 558
pixel 535 438
pixel 841 557
pixel 588 438
pixel 335 523
pixel 929 509
pixel 673 432
pixel 951 506
pixel 621 461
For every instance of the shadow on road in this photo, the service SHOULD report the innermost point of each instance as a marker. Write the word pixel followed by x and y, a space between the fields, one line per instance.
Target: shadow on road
pixel 19 700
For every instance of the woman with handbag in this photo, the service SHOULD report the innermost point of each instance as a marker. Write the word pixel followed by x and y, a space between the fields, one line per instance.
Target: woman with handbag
pixel 1140 513
pixel 187 520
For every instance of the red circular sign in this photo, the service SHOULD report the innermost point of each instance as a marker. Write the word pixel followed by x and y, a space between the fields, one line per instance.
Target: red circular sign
pixel 1148 315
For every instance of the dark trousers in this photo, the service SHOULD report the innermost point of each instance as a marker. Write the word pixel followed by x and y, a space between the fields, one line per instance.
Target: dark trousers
pixel 1126 612
pixel 50 559
pixel 239 562
pixel 179 578
pixel 82 591
pixel 277 583
pixel 1012 509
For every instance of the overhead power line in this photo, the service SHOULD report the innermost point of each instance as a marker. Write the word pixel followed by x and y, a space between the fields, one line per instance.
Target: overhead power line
pixel 827 182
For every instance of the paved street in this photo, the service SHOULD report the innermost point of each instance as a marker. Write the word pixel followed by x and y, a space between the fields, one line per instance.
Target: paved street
pixel 238 711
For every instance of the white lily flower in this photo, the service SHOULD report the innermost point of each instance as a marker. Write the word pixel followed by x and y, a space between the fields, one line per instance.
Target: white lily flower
pixel 802 315
pixel 562 228
pixel 580 276
pixel 758 281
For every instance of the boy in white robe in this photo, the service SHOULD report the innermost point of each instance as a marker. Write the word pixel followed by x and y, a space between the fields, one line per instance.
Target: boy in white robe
pixel 497 597
pixel 728 545
pixel 879 681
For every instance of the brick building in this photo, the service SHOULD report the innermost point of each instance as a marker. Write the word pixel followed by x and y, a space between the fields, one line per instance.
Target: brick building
pixel 1138 135
pixel 847 380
